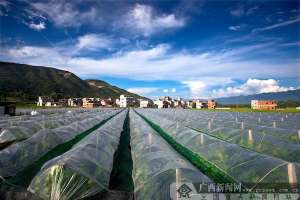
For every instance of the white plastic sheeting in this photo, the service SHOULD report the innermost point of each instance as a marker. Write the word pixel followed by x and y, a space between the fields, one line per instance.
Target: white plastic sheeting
pixel 155 164
pixel 85 169
pixel 17 156
pixel 26 129
pixel 246 166
pixel 231 127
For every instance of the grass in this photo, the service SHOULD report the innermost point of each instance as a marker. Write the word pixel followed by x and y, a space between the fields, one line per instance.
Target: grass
pixel 212 171
pixel 279 110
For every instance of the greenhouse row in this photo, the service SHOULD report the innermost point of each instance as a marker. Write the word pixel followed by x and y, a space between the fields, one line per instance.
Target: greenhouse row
pixel 243 165
pixel 258 138
pixel 143 153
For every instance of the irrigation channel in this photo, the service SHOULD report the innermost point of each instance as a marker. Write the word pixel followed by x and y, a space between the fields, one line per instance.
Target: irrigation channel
pixel 128 154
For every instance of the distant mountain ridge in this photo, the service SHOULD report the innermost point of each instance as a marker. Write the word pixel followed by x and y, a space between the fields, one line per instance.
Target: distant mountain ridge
pixel 28 82
pixel 293 95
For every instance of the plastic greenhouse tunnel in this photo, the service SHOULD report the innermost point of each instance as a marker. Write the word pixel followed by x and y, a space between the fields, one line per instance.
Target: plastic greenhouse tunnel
pixel 18 159
pixel 156 164
pixel 23 130
pixel 85 169
pixel 241 164
pixel 257 138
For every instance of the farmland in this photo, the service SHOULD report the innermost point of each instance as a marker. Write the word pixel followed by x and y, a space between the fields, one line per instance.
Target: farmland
pixel 97 153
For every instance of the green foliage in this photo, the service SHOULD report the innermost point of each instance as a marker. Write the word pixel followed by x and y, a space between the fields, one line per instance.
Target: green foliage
pixel 121 175
pixel 26 83
pixel 212 171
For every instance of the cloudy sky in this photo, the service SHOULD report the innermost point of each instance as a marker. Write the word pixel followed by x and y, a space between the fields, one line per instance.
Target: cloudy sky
pixel 197 48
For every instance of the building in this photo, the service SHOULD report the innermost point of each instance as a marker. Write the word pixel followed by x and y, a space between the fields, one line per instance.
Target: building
pixel 211 104
pixel 167 102
pixel 62 102
pixel 45 101
pixel 159 103
pixel 90 103
pixel 199 104
pixel 164 102
pixel 144 103
pixel 263 104
pixel 106 102
pixel 179 103
pixel 189 104
pixel 74 102
pixel 126 101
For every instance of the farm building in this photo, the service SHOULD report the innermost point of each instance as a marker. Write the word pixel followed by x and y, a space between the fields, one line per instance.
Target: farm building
pixel 263 104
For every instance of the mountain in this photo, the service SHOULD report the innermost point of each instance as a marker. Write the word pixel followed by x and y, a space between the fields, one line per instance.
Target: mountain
pixel 293 95
pixel 110 90
pixel 26 82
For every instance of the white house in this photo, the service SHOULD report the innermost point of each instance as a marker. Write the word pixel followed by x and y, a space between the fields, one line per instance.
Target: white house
pixel 144 103
pixel 200 104
pixel 45 101
pixel 159 103
pixel 126 101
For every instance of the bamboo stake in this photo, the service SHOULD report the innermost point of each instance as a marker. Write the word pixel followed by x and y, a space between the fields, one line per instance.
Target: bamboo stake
pixel 178 179
pixel 292 173
pixel 274 124
pixel 250 136
pixel 201 139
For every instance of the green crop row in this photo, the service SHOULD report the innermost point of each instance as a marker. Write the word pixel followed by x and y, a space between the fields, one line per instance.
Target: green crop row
pixel 203 165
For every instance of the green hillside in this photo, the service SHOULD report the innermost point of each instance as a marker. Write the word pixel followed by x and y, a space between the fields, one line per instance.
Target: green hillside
pixel 25 83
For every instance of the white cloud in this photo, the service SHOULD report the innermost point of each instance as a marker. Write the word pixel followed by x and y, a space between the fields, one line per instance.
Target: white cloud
pixel 38 27
pixel 143 19
pixel 196 87
pixel 234 28
pixel 65 14
pixel 173 90
pixel 200 72
pixel 142 90
pixel 252 86
pixel 94 42
pixel 42 56
pixel 281 24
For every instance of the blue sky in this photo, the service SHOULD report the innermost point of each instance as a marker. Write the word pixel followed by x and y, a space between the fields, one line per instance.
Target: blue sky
pixel 190 49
